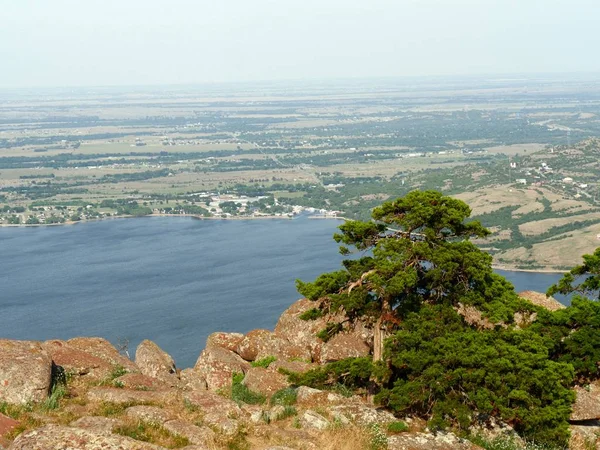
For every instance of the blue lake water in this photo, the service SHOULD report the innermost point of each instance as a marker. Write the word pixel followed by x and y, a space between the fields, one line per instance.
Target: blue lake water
pixel 171 280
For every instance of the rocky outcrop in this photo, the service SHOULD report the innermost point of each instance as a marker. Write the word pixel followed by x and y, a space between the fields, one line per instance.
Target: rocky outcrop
pixel 259 344
pixel 587 402
pixel 104 350
pixel 217 366
pixel 264 381
pixel 228 341
pixel 53 437
pixel 539 299
pixel 97 423
pixel 344 345
pixel 76 361
pixel 195 434
pixel 7 425
pixel 192 380
pixel 153 362
pixel 429 441
pixel 25 372
pixel 126 396
pixel 151 414
pixel 140 382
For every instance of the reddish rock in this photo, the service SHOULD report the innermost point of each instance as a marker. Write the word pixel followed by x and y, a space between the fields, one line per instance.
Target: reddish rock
pixel 361 414
pixel 192 380
pixel 150 414
pixel 6 426
pixel 259 344
pixel 587 402
pixel 195 434
pixel 213 404
pixel 228 341
pixel 53 437
pixel 97 423
pixel 77 361
pixel 25 372
pixel 218 365
pixel 122 396
pixel 292 366
pixel 539 299
pixel 152 361
pixel 104 350
pixel 264 381
pixel 344 345
pixel 140 382
pixel 310 397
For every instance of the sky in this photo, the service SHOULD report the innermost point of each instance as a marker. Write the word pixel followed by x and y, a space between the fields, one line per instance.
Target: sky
pixel 62 43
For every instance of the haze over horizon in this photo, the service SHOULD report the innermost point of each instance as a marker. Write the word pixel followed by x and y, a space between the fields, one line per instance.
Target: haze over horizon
pixel 108 43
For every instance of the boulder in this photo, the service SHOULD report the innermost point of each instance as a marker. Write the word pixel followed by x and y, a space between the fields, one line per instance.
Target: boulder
pixel 314 421
pixel 539 299
pixel 258 344
pixel 213 404
pixel 292 366
pixel 217 365
pixel 264 381
pixel 53 437
pixel 25 372
pixel 151 414
pixel 192 380
pixel 6 426
pixel 361 414
pixel 344 345
pixel 123 396
pixel 302 333
pixel 97 423
pixel 309 396
pixel 137 381
pixel 585 436
pixel 104 350
pixel 429 441
pixel 587 402
pixel 76 361
pixel 195 434
pixel 153 362
pixel 228 341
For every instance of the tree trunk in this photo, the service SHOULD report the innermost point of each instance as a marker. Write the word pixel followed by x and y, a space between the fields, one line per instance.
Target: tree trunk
pixel 378 337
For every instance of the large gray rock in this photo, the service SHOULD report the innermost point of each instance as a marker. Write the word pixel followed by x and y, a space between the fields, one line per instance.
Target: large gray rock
pixel 153 362
pixel 217 366
pixel 25 372
pixel 429 441
pixel 56 437
pixel 99 424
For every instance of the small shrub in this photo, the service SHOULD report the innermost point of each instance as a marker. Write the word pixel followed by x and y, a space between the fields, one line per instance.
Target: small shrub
pixel 397 427
pixel 264 362
pixel 311 314
pixel 285 397
pixel 118 371
pixel 53 400
pixel 378 438
pixel 152 433
pixel 189 406
pixel 288 411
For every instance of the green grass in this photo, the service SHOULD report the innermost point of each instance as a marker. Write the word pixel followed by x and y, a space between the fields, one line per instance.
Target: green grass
pixel 509 443
pixel 53 401
pixel 152 433
pixel 264 362
pixel 285 397
pixel 397 427
pixel 241 394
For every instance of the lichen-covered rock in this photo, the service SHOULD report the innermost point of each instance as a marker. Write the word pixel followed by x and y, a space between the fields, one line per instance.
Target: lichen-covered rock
pixel 56 437
pixel 151 414
pixel 195 434
pixel 302 333
pixel 76 361
pixel 154 362
pixel 258 344
pixel 228 341
pixel 292 366
pixel 342 346
pixel 266 382
pixel 587 403
pixel 429 441
pixel 361 414
pixel 122 396
pixel 97 423
pixel 313 420
pixel 138 381
pixel 25 372
pixel 217 366
pixel 585 436
pixel 104 350
pixel 213 404
pixel 192 380
pixel 309 397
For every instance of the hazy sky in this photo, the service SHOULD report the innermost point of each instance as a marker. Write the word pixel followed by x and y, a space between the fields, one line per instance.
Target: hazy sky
pixel 140 42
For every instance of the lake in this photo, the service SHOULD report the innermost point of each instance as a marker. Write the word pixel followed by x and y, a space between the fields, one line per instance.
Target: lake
pixel 171 280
